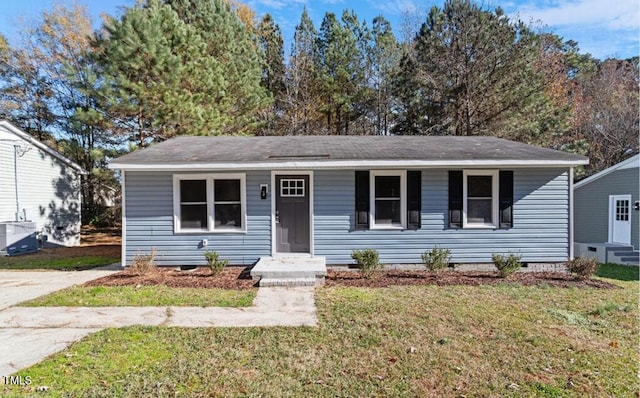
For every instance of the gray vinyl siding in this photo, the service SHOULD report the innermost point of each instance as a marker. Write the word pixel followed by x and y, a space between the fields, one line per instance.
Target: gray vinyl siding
pixel 539 234
pixel 149 223
pixel 540 231
pixel 591 206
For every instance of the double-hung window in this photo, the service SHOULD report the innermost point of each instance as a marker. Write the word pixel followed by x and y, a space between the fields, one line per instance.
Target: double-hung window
pixel 209 202
pixel 388 198
pixel 480 204
pixel 481 199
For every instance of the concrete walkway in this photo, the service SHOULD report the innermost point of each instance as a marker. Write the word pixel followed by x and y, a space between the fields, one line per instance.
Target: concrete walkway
pixel 33 333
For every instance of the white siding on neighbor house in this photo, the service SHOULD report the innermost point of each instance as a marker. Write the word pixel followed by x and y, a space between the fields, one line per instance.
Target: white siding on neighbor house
pixel 591 205
pixel 540 231
pixel 48 190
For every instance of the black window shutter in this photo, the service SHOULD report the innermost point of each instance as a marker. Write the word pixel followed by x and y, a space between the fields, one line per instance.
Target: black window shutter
pixel 362 200
pixel 455 199
pixel 414 199
pixel 505 199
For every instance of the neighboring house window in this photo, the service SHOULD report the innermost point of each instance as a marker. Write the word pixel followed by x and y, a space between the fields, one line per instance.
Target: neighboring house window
pixel 388 199
pixel 209 202
pixel 480 198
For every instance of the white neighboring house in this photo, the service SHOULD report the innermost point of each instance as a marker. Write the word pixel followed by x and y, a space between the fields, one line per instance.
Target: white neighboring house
pixel 40 185
pixel 606 211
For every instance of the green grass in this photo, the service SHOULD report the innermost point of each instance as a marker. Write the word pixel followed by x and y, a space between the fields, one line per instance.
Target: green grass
pixel 503 340
pixel 102 296
pixel 619 272
pixel 70 263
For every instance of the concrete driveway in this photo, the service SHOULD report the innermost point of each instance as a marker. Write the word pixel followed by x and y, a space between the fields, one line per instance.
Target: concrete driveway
pixel 19 286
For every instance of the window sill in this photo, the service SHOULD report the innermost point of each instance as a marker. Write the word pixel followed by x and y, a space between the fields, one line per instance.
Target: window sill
pixel 208 232
pixel 387 227
pixel 479 226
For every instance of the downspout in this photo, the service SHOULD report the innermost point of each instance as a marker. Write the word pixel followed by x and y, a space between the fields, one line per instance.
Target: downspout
pixel 123 209
pixel 16 147
pixel 571 213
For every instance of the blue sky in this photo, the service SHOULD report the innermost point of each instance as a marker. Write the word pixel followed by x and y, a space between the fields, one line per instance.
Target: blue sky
pixel 601 27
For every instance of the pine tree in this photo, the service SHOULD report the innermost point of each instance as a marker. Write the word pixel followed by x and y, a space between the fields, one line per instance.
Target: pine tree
pixel 302 80
pixel 385 58
pixel 341 70
pixel 184 67
pixel 473 73
pixel 273 71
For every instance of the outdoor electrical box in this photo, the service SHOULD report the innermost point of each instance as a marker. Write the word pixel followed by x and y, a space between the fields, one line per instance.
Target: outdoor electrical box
pixel 18 238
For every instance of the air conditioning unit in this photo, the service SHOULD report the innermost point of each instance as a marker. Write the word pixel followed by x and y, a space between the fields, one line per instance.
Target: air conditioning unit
pixel 18 238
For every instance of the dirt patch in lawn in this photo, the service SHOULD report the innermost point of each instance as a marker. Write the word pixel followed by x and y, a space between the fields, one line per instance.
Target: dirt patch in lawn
pixel 471 278
pixel 236 278
pixel 92 236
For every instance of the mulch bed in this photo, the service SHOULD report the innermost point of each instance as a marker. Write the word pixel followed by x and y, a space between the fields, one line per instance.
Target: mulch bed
pixel 471 278
pixel 236 278
pixel 239 278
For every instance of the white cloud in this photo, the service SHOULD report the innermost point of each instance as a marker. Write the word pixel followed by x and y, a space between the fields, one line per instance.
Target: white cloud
pixel 395 7
pixel 615 15
pixel 276 4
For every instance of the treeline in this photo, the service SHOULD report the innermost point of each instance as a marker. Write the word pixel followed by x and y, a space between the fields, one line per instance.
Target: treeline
pixel 207 67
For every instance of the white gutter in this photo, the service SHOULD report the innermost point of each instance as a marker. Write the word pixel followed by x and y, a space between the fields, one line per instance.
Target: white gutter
pixel 344 164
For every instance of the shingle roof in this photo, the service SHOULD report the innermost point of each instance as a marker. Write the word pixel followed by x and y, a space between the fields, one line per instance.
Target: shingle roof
pixel 298 151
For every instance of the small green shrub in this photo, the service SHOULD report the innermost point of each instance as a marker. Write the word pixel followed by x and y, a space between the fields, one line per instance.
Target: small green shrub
pixel 143 263
pixel 436 258
pixel 506 265
pixel 367 260
pixel 583 267
pixel 213 261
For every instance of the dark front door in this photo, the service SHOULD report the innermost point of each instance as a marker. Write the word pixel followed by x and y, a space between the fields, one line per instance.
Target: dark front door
pixel 292 213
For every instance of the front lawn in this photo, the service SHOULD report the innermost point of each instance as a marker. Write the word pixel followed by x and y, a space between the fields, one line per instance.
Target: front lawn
pixel 499 340
pixel 619 272
pixel 102 296
pixel 64 258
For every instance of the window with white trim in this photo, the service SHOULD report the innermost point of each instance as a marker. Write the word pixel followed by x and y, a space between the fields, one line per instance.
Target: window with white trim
pixel 388 198
pixel 209 202
pixel 480 202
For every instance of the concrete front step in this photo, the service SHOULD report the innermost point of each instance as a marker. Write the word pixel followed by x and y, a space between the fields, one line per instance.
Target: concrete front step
pixel 289 271
pixel 627 257
pixel 270 282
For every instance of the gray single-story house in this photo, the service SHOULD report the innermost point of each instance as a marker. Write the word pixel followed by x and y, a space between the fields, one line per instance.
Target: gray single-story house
pixel 324 196
pixel 39 185
pixel 607 212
